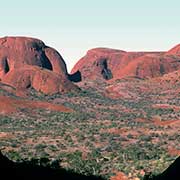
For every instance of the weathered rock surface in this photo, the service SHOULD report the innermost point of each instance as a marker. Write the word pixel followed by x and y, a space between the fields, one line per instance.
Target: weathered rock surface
pixel 28 62
pixel 175 50
pixel 105 64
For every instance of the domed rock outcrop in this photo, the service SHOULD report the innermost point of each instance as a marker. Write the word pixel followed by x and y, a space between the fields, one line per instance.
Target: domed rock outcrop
pixel 175 50
pixel 105 64
pixel 28 62
pixel 98 63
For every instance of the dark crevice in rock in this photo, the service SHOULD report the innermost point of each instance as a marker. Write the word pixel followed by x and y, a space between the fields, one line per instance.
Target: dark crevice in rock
pixel 105 71
pixel 162 69
pixel 46 63
pixel 6 66
pixel 28 86
pixel 107 74
pixel 137 71
pixel 76 77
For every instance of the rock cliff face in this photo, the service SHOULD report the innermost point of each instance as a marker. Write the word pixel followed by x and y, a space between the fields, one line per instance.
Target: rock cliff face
pixel 27 62
pixel 105 64
pixel 98 63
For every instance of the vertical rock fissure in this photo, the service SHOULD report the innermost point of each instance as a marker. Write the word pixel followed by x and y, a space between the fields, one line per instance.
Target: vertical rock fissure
pixel 46 62
pixel 6 66
pixel 105 71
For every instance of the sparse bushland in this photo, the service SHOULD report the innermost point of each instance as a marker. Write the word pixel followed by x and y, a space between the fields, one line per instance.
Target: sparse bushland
pixel 101 136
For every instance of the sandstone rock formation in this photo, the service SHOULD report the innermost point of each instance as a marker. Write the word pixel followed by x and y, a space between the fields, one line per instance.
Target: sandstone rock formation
pixel 175 50
pixel 27 62
pixel 98 63
pixel 105 64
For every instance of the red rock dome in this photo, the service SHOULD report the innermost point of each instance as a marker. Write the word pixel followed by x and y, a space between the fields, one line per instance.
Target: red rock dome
pixel 105 64
pixel 175 50
pixel 28 62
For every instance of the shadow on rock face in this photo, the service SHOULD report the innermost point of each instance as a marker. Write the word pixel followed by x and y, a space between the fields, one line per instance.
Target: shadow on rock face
pixel 30 171
pixel 28 62
pixel 76 77
pixel 106 73
pixel 172 172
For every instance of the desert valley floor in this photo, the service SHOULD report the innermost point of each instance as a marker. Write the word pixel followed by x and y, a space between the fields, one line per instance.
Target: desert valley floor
pixel 116 112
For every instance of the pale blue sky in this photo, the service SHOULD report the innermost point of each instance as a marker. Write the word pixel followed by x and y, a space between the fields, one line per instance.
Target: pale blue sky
pixel 74 26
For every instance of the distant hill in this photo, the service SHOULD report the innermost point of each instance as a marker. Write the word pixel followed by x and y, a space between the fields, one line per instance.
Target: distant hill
pixel 106 64
pixel 28 62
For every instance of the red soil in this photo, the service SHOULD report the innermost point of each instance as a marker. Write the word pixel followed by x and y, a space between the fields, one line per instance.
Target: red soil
pixel 174 152
pixel 158 122
pixel 4 135
pixel 10 105
pixel 119 176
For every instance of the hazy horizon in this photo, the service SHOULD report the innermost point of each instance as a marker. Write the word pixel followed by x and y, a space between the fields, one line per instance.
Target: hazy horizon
pixel 73 27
